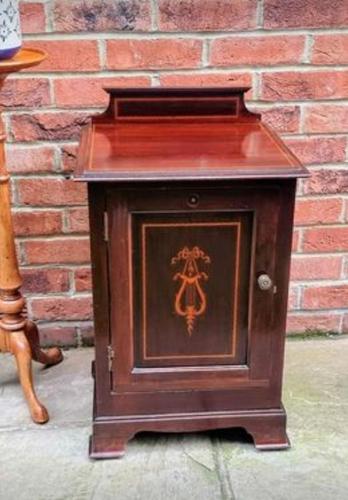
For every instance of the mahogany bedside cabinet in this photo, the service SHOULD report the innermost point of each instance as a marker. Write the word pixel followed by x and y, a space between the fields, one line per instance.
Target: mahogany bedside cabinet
pixel 191 202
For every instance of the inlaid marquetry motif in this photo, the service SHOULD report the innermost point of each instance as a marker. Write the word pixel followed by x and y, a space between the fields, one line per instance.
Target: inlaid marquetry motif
pixel 190 300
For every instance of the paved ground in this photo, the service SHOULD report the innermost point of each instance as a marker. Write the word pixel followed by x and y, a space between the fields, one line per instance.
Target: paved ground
pixel 50 462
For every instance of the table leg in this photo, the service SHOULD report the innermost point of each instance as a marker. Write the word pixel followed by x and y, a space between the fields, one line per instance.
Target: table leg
pixel 48 357
pixel 17 335
pixel 20 347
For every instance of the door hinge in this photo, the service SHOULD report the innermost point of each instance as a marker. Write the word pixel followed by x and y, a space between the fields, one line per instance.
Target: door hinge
pixel 106 226
pixel 111 357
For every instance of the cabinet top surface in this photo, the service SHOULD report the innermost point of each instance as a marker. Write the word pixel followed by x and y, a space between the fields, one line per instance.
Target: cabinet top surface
pixel 204 137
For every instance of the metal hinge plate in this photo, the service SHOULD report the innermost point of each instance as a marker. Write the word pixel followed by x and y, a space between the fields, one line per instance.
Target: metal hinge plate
pixel 111 357
pixel 106 226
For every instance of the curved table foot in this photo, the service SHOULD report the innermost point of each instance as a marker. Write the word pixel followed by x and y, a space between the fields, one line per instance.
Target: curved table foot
pixel 49 357
pixel 25 346
pixel 20 348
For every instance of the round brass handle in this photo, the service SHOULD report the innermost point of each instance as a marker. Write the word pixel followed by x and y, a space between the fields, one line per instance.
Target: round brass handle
pixel 264 282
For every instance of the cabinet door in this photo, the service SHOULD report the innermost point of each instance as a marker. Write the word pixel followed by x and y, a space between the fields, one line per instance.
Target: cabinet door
pixel 190 281
pixel 185 300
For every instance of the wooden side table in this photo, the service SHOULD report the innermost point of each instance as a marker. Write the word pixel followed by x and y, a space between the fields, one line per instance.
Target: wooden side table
pixel 18 335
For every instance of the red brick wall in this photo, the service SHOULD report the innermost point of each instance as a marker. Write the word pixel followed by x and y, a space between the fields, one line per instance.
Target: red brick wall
pixel 294 53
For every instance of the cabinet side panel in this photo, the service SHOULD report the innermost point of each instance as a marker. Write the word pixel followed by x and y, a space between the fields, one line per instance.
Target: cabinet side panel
pixel 283 253
pixel 96 202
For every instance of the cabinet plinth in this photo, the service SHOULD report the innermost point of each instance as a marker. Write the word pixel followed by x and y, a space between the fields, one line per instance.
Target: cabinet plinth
pixel 191 201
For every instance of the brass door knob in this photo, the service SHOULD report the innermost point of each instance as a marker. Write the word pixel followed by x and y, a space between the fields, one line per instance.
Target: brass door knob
pixel 264 282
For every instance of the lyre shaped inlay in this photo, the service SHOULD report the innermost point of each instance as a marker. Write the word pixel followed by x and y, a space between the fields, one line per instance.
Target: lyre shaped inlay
pixel 190 300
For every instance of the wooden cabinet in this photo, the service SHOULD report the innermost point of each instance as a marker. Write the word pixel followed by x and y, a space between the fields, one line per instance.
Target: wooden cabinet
pixel 191 205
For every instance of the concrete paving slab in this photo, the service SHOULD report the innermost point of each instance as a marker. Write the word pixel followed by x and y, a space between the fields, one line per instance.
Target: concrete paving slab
pixel 160 467
pixel 316 399
pixel 51 462
pixel 66 389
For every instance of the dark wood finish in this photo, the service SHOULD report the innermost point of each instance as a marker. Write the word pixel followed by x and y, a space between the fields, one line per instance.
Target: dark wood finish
pixel 18 335
pixel 177 287
pixel 191 204
pixel 208 147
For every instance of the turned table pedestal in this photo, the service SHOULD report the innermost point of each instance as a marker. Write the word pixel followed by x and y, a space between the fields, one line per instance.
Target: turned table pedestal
pixel 18 335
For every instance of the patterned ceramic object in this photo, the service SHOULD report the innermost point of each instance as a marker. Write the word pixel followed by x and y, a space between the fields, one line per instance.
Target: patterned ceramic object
pixel 10 31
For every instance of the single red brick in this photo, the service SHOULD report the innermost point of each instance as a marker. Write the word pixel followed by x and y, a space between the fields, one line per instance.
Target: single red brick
pixel 330 49
pixel 295 240
pixel 256 50
pixel 326 239
pixel 30 159
pixel 25 92
pixel 325 297
pixel 283 119
pixel 207 15
pixel 206 79
pixel 315 150
pixel 301 323
pixel 327 181
pixel 37 222
pixel 63 336
pixel 345 324
pixel 67 55
pixel 83 280
pixel 61 308
pixel 59 251
pixel 59 126
pixel 97 16
pixel 318 211
pixel 300 85
pixel 153 54
pixel 305 13
pixel 46 191
pixel 45 280
pixel 306 267
pixel 68 157
pixel 326 118
pixel 345 267
pixel 78 220
pixel 33 19
pixel 18 253
pixel 293 298
pixel 87 335
pixel 88 92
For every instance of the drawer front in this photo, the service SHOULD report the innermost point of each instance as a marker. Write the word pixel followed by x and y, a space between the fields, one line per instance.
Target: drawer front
pixel 186 308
